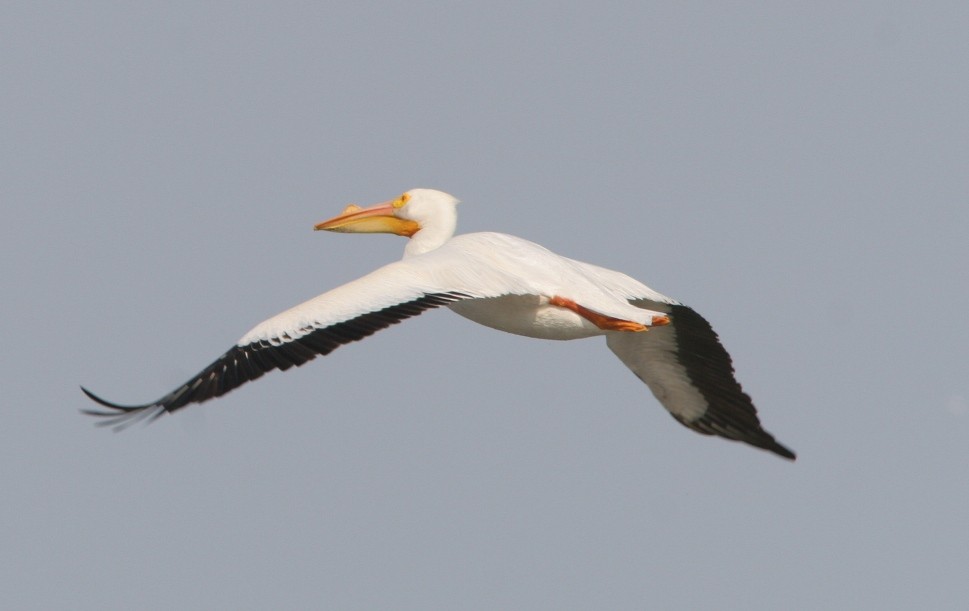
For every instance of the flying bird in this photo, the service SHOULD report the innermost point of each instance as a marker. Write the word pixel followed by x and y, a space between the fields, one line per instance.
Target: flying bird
pixel 499 281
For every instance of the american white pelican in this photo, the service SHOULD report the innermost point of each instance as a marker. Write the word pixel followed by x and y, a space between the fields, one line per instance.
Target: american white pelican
pixel 500 281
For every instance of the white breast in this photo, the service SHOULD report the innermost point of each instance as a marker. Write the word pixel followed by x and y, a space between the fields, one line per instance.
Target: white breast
pixel 528 315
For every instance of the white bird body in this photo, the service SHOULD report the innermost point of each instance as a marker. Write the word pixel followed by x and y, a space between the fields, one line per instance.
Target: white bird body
pixel 502 282
pixel 510 278
pixel 537 273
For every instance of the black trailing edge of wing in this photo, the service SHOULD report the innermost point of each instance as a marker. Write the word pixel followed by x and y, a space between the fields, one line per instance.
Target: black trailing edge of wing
pixel 241 364
pixel 731 413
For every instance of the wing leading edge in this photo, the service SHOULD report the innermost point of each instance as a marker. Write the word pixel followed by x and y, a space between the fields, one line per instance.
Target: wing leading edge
pixel 689 371
pixel 247 362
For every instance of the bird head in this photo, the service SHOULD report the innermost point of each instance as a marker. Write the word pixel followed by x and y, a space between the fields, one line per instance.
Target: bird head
pixel 405 215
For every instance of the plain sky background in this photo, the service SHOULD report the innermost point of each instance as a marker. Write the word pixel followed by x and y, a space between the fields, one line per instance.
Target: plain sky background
pixel 797 172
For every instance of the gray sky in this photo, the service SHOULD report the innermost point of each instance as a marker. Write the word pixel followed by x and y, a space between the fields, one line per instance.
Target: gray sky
pixel 798 174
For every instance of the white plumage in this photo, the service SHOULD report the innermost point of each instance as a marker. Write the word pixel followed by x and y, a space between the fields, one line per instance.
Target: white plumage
pixel 500 281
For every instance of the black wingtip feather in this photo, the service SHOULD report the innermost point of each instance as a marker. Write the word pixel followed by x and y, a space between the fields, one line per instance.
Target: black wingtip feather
pixel 780 450
pixel 121 416
pixel 241 364
pixel 765 441
pixel 108 404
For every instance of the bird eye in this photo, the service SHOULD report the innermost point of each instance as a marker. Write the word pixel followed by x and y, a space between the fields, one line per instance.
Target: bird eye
pixel 400 201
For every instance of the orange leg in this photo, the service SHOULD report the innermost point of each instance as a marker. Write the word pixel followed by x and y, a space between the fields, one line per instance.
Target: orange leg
pixel 607 323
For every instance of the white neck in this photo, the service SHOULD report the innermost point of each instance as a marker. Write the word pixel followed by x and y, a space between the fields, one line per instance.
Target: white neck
pixel 433 233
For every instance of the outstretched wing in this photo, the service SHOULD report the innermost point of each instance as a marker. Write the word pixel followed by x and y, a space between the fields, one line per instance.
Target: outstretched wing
pixel 317 327
pixel 687 368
